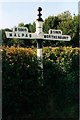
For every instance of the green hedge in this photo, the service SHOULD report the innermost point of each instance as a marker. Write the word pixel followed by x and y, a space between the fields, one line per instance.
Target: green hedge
pixel 23 95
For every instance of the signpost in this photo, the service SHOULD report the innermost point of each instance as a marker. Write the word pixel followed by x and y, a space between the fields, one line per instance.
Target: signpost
pixel 22 33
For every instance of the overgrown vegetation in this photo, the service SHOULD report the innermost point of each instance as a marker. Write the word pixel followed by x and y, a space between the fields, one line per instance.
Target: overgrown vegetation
pixel 56 96
pixel 23 95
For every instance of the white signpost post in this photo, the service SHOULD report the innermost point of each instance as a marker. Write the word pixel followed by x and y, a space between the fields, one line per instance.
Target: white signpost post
pixel 22 33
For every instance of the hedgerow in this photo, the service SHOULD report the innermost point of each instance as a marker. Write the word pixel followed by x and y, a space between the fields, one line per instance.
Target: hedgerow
pixel 24 96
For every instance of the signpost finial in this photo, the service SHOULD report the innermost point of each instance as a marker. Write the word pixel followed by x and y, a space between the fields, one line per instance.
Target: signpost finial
pixel 39 15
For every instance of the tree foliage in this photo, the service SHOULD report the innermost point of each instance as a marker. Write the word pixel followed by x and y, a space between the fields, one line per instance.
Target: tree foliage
pixel 65 21
pixel 51 23
pixel 21 24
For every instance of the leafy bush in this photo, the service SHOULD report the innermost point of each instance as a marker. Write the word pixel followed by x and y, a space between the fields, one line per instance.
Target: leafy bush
pixel 23 95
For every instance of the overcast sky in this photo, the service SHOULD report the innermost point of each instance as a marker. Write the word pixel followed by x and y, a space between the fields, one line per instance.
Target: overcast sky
pixel 13 13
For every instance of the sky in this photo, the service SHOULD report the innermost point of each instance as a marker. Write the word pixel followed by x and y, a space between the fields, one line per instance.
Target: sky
pixel 13 13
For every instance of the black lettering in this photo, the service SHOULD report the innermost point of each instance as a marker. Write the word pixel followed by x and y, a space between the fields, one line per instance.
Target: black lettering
pixel 51 32
pixel 47 36
pixel 18 35
pixel 25 29
pixel 10 34
pixel 22 34
pixel 52 36
pixel 29 35
pixel 15 35
pixel 19 29
pixel 22 29
pixel 15 29
pixel 55 37
pixel 54 32
pixel 26 35
pixel 59 37
pixel 59 32
pixel 63 37
pixel 44 36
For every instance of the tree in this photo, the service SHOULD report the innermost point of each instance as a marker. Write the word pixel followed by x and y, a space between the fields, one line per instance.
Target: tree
pixel 70 25
pixel 5 41
pixel 51 23
pixel 21 24
pixel 75 32
pixel 31 27
pixel 66 22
